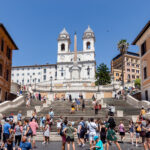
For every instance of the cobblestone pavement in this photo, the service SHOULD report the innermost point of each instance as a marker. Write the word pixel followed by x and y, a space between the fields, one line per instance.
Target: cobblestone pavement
pixel 57 146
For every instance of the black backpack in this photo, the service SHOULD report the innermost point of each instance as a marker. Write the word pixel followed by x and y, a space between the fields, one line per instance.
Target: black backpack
pixel 84 128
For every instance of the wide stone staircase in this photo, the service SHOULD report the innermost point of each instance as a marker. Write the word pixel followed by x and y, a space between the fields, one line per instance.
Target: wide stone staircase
pixel 62 108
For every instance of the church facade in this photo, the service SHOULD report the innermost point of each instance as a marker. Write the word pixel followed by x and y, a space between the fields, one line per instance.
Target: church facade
pixel 62 71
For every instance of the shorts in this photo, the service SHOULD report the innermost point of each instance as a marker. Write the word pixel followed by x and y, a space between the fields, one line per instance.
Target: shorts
pixel 5 137
pixel 122 133
pixel 68 139
pixel 63 139
pixel 148 135
pixel 91 136
pixel 137 134
pixel 82 134
pixel 103 139
pixel 33 137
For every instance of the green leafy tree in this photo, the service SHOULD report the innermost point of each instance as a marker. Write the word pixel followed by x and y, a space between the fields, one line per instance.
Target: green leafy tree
pixel 137 83
pixel 102 75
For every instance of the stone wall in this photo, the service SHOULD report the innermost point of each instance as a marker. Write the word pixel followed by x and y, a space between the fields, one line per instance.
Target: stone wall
pixel 11 104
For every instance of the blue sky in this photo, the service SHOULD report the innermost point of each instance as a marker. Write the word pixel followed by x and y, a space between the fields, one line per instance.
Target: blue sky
pixel 35 25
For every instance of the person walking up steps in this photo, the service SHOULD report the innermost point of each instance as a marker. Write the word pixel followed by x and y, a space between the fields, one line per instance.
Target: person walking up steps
pixel 46 133
pixel 70 131
pixel 92 127
pixel 121 131
pixel 111 135
pixel 82 131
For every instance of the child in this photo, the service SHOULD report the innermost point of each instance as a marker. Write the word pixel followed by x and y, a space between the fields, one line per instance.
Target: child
pixel 72 109
pixel 98 143
pixel 59 122
pixel 9 145
pixel 46 133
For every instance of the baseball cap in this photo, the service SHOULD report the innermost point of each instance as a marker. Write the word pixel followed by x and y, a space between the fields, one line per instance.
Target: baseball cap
pixel 95 138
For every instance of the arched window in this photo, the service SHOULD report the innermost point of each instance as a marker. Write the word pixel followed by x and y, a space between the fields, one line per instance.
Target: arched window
pixel 62 47
pixel 88 45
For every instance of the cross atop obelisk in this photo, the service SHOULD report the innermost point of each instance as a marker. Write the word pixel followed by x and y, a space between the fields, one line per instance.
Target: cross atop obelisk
pixel 75 47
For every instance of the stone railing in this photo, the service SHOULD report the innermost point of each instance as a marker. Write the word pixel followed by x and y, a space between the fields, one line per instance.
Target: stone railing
pixel 11 104
pixel 132 101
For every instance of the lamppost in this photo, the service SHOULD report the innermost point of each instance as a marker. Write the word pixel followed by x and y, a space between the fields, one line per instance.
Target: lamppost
pixel 30 80
pixel 35 84
pixel 51 83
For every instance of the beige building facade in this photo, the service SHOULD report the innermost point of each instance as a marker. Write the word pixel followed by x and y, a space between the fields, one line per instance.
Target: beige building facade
pixel 131 67
pixel 143 41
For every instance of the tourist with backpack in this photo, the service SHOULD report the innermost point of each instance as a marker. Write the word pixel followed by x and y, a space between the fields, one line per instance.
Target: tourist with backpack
pixel 138 131
pixel 34 126
pixel 69 132
pixel 62 134
pixel 18 133
pixel 92 127
pixel 82 131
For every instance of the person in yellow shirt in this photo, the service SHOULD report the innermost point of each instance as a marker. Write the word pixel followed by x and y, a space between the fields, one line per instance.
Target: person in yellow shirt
pixel 143 111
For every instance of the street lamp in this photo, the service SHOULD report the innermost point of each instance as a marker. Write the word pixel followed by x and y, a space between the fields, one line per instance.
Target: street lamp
pixel 30 80
pixel 51 83
pixel 35 84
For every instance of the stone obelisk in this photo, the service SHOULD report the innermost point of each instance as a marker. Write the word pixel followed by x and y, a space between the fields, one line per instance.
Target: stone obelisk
pixel 75 70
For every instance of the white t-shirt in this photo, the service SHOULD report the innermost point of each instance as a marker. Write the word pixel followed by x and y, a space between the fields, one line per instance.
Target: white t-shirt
pixel 92 127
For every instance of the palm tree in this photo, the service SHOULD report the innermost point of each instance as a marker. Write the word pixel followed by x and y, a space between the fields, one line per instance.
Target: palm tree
pixel 123 46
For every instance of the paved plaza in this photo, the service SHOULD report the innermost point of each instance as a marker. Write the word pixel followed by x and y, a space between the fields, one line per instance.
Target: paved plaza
pixel 57 146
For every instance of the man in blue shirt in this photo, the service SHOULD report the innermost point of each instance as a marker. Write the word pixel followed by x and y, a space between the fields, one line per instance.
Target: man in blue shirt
pixel 6 130
pixel 24 145
pixel 19 116
pixel 98 143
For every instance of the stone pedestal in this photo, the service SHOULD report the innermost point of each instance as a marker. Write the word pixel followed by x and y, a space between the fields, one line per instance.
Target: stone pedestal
pixel 45 105
pixel 29 113
pixel 38 108
pixel 119 113
pixel 104 105
pixel 134 118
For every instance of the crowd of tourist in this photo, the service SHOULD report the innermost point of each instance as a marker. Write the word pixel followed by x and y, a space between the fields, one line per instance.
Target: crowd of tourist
pixel 98 133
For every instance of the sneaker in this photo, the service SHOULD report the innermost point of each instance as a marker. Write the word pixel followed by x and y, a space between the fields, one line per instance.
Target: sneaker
pixel 132 143
pixel 83 145
pixel 43 142
pixel 137 145
pixel 79 144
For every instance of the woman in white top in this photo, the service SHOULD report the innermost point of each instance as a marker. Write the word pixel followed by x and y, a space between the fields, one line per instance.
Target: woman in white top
pixel 92 127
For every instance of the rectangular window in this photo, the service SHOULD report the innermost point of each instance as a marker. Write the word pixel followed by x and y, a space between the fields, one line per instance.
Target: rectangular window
pixel 128 70
pixel 17 74
pixel 44 77
pixel 62 74
pixel 33 73
pixel 2 45
pixel 128 64
pixel 7 75
pixel 38 80
pixel 143 48
pixel 44 70
pixel 117 74
pixel 137 66
pixel 133 76
pixel 137 77
pixel 146 95
pixel 132 65
pixel 133 70
pixel 8 54
pixel 1 70
pixel 137 71
pixel 22 74
pixel 145 72
pixel 28 81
